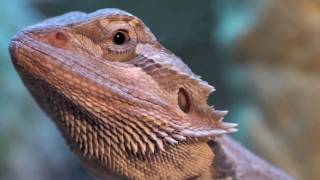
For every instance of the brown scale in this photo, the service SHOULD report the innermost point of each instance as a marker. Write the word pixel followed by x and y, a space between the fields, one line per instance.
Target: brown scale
pixel 126 106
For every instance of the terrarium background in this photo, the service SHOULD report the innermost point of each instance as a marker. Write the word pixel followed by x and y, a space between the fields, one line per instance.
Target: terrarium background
pixel 261 55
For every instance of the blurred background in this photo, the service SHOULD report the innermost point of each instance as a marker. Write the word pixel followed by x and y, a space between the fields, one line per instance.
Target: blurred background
pixel 261 55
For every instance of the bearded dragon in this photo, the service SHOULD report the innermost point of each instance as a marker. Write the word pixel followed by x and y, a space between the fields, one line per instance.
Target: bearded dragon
pixel 126 106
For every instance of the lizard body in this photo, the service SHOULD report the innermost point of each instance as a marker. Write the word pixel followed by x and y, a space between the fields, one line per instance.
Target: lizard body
pixel 126 106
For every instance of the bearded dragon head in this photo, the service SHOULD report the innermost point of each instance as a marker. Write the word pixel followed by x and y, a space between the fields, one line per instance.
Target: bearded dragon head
pixel 105 76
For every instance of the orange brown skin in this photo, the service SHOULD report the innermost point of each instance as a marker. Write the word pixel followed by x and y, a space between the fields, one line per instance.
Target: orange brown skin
pixel 127 109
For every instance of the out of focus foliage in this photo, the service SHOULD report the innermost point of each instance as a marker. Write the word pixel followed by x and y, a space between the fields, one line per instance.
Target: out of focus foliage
pixel 281 58
pixel 261 55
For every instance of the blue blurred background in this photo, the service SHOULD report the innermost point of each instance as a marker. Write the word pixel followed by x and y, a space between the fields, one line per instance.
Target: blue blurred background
pixel 261 55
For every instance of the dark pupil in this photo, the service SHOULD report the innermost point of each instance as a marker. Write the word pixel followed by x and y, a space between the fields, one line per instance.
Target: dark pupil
pixel 119 38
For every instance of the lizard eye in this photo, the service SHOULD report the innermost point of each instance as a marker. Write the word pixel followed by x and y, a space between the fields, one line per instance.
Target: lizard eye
pixel 120 37
pixel 183 100
pixel 118 41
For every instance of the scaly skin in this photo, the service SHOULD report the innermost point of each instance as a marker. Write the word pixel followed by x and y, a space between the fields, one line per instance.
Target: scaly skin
pixel 127 108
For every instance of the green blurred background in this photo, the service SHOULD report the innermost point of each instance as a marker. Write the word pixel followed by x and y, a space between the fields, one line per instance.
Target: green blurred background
pixel 261 55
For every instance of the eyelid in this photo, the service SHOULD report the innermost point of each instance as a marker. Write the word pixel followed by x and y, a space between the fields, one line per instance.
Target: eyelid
pixel 112 27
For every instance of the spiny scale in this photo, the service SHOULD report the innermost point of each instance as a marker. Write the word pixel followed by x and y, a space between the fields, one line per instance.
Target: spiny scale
pixel 117 105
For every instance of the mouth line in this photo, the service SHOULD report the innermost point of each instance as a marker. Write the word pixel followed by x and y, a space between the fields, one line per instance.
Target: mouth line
pixel 60 61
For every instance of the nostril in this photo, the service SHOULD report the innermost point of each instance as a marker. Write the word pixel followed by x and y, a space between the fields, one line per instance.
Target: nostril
pixel 60 36
pixel 58 39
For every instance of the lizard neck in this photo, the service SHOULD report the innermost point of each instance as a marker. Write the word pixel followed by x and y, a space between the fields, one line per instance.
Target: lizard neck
pixel 185 161
pixel 106 158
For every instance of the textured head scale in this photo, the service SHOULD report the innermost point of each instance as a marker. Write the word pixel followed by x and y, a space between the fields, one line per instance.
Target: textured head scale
pixel 116 93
